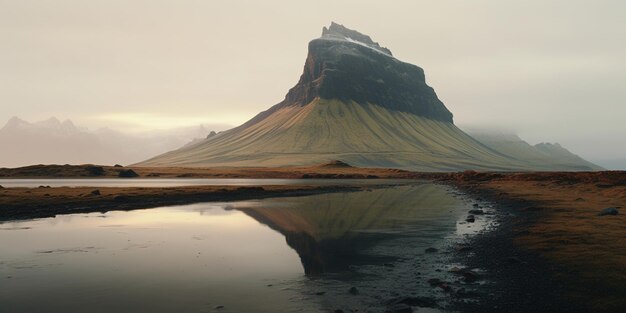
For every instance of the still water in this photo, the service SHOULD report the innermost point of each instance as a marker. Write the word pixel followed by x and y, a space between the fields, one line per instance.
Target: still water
pixel 299 254
pixel 179 182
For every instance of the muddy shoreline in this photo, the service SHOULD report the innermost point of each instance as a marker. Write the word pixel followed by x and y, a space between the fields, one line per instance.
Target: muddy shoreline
pixel 516 279
pixel 552 250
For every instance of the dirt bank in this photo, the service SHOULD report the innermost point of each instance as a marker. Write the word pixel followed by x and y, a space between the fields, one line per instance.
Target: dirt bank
pixel 24 203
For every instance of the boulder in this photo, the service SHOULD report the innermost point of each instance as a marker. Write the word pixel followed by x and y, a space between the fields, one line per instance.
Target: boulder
pixel 127 174
pixel 609 211
pixel 95 170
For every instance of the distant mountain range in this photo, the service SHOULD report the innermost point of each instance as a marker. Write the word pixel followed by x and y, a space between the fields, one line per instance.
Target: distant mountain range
pixel 357 103
pixel 550 154
pixel 56 142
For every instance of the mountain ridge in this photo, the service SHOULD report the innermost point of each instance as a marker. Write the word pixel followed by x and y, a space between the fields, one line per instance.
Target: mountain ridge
pixel 53 141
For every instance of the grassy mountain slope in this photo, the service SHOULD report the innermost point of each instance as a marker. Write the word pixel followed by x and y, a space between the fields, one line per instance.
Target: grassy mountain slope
pixel 364 135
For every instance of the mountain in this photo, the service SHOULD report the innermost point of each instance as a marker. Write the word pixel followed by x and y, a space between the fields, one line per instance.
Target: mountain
pixel 55 142
pixel 357 103
pixel 550 154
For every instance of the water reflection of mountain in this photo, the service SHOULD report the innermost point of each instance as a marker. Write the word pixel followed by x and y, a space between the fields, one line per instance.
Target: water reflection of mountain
pixel 332 231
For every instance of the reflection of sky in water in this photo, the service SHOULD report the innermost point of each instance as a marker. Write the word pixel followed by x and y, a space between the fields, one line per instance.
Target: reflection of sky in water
pixel 178 182
pixel 195 257
pixel 160 260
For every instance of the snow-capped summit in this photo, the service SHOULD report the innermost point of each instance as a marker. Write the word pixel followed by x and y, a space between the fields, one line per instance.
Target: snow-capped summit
pixel 340 32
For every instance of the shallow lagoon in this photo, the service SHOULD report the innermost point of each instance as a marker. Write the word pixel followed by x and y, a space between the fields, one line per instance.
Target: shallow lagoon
pixel 299 254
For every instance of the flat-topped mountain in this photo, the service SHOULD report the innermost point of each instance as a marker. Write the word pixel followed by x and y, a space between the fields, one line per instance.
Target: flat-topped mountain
pixel 356 103
pixel 346 65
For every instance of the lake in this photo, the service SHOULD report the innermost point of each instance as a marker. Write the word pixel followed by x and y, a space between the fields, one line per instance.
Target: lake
pixel 300 254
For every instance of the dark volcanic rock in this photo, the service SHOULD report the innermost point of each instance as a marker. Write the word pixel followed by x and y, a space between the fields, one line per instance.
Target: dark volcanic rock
pixel 609 211
pixel 346 65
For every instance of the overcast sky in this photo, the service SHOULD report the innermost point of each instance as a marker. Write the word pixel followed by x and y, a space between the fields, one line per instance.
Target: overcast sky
pixel 548 70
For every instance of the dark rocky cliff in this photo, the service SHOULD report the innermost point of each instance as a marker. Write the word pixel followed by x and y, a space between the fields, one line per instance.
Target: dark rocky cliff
pixel 346 65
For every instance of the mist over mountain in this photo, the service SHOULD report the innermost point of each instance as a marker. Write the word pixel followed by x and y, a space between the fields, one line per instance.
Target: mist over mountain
pixel 61 142
pixel 511 145
pixel 357 103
